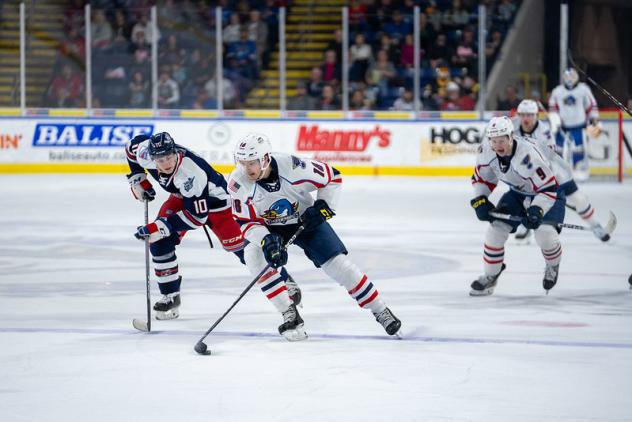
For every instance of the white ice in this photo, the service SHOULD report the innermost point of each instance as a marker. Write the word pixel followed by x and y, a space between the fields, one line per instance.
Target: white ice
pixel 72 279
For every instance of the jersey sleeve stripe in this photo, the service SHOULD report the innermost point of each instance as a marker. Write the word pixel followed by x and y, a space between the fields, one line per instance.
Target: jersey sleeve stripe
pixel 300 182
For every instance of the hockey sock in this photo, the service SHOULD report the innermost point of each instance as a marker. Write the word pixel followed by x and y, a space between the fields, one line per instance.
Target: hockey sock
pixel 272 283
pixel 166 270
pixel 347 274
pixel 585 210
pixel 494 248
pixel 549 242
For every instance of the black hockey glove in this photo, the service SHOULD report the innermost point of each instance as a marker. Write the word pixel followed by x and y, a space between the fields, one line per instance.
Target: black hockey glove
pixel 533 220
pixel 273 250
pixel 316 215
pixel 141 187
pixel 483 207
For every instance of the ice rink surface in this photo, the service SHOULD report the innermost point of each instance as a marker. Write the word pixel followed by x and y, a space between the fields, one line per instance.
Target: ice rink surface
pixel 72 279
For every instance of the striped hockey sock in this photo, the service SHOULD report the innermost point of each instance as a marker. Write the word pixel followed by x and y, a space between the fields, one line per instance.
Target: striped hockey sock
pixel 272 284
pixel 553 256
pixel 493 259
pixel 166 270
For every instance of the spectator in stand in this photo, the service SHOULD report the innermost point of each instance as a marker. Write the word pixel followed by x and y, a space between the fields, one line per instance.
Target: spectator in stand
pixel 440 53
pixel 357 15
pixel 101 31
pixel 380 73
pixel 171 52
pixel 493 47
pixel 315 84
pixel 169 15
pixel 511 100
pixel 200 66
pixel 405 102
pixel 74 16
pixel 141 63
pixel 330 69
pixel 143 26
pixel 408 52
pixel 179 74
pixel 203 101
pixel 336 45
pixel 329 100
pixel 121 28
pixel 230 34
pixel 258 32
pixel 506 10
pixel 242 56
pixel 427 33
pixel 392 51
pixel 74 47
pixel 358 100
pixel 302 101
pixel 465 55
pixel 361 56
pixel 455 18
pixel 397 28
pixel 168 90
pixel 67 89
pixel 139 92
pixel 230 96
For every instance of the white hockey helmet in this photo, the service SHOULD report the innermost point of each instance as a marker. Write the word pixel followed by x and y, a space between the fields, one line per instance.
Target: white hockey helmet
pixel 528 107
pixel 570 78
pixel 253 146
pixel 499 126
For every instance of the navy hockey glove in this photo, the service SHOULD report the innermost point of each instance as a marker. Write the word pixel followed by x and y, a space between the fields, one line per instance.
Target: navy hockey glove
pixel 533 218
pixel 273 250
pixel 141 187
pixel 155 231
pixel 483 207
pixel 316 215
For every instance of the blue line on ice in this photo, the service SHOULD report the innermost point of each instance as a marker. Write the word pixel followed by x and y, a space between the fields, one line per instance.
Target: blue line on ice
pixel 420 339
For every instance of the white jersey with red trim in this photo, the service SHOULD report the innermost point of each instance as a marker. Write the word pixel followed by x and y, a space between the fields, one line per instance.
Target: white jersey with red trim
pixel 542 139
pixel 259 204
pixel 575 106
pixel 527 172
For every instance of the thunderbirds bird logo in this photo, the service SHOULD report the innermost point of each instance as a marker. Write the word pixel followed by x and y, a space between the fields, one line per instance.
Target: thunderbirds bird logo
pixel 281 212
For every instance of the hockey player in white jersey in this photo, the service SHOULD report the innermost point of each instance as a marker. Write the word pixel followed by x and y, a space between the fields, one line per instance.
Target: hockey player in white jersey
pixel 577 108
pixel 271 197
pixel 532 196
pixel 538 133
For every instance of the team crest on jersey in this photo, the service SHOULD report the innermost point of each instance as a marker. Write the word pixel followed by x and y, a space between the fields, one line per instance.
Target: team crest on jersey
pixel 570 100
pixel 297 162
pixel 281 212
pixel 188 184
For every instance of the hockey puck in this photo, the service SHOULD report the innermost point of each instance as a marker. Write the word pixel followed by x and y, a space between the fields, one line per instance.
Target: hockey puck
pixel 201 349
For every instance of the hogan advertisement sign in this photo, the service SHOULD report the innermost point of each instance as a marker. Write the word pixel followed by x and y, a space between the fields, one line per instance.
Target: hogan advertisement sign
pixel 349 143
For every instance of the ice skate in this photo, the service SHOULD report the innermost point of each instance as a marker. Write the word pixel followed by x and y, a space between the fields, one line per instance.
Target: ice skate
pixel 167 307
pixel 550 277
pixel 389 321
pixel 292 327
pixel 294 291
pixel 485 284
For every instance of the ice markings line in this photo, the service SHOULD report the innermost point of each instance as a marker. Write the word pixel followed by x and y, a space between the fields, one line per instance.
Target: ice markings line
pixel 420 339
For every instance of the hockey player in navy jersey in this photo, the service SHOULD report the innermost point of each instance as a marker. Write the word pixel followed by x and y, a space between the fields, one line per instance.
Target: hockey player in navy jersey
pixel 198 196
pixel 271 197
pixel 538 133
pixel 533 195
pixel 577 108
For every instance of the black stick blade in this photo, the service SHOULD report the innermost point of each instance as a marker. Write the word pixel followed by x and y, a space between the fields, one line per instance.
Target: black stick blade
pixel 201 349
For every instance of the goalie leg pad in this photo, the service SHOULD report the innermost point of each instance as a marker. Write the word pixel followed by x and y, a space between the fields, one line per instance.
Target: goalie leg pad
pixel 359 287
pixel 272 283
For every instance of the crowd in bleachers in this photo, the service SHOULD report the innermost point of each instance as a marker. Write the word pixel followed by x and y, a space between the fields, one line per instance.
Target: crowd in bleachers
pixel 381 54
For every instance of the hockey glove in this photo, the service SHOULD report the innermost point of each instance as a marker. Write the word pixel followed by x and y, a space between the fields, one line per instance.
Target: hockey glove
pixel 273 250
pixel 316 215
pixel 141 187
pixel 155 231
pixel 483 207
pixel 533 220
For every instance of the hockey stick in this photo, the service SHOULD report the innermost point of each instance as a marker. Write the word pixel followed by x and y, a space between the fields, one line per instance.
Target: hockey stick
pixel 138 324
pixel 200 347
pixel 610 226
pixel 603 91
pixel 208 236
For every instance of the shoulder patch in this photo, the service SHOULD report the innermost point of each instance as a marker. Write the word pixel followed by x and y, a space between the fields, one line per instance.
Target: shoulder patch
pixel 188 184
pixel 297 162
pixel 233 185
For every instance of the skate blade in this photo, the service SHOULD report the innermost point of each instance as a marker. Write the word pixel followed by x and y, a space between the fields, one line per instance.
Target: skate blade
pixel 484 292
pixel 140 325
pixel 166 315
pixel 298 334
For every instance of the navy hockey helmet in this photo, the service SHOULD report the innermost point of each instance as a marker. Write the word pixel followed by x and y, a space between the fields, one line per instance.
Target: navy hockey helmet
pixel 160 145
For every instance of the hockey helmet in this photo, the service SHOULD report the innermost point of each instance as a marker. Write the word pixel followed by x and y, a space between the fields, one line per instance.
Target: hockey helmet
pixel 570 78
pixel 499 126
pixel 528 107
pixel 160 145
pixel 253 146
